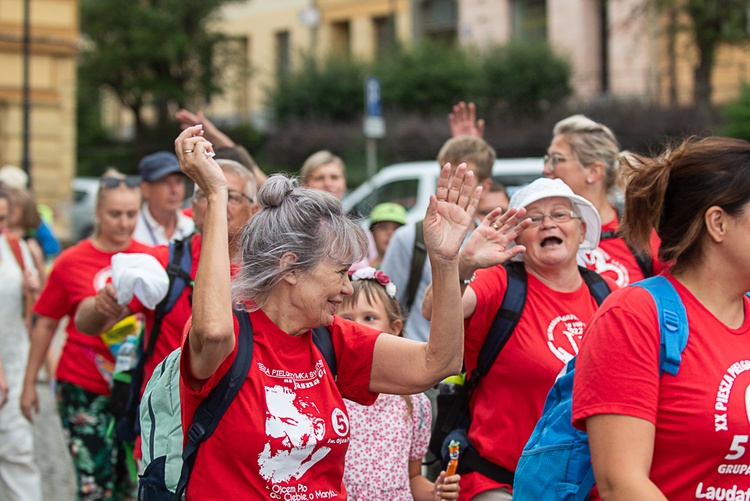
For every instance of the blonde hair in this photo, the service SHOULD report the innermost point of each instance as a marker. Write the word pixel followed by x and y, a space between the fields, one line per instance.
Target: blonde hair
pixel 591 142
pixel 317 159
pixel 467 149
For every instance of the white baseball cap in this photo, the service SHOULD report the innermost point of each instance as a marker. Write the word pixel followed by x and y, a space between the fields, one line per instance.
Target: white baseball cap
pixel 548 188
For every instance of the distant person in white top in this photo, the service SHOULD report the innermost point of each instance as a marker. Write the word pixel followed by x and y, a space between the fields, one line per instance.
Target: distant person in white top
pixel 163 187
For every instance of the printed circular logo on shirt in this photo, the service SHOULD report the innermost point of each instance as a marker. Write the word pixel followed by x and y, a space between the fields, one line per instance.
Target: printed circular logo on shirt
pixel 564 336
pixel 102 277
pixel 604 265
pixel 340 422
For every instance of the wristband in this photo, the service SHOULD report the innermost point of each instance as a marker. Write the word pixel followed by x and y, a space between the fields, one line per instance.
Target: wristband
pixel 469 280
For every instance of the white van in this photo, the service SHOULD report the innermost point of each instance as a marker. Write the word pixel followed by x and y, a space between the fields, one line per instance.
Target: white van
pixel 411 184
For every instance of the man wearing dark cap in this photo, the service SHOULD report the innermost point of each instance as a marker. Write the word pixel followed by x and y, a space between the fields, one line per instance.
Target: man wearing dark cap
pixel 163 188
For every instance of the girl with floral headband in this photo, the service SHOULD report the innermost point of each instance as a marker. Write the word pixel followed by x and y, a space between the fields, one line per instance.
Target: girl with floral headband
pixel 389 438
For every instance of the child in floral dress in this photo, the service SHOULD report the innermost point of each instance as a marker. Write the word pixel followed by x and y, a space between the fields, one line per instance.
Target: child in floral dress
pixel 389 438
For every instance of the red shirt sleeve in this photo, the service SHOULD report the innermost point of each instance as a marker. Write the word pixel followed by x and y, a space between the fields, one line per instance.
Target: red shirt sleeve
pixel 354 345
pixel 617 370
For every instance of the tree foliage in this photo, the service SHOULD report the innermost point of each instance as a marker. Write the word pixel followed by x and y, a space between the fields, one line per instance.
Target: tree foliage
pixel 319 90
pixel 152 52
pixel 427 78
pixel 710 24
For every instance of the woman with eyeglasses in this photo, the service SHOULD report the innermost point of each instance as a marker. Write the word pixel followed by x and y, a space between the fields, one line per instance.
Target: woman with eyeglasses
pixel 586 155
pixel 86 363
pixel 556 226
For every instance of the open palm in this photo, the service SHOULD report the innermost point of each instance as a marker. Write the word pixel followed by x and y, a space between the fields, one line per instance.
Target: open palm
pixel 488 244
pixel 450 211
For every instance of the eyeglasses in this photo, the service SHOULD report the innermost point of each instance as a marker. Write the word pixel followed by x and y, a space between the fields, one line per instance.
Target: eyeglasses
pixel 234 197
pixel 108 182
pixel 558 216
pixel 554 159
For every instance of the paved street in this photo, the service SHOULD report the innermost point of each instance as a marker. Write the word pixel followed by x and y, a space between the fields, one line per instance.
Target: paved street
pixel 58 480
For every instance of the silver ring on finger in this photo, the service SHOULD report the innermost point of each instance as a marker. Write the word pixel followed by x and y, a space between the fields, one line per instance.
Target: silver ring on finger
pixel 495 227
pixel 187 151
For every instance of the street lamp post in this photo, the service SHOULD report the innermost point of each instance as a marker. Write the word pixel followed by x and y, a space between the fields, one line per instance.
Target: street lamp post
pixel 26 159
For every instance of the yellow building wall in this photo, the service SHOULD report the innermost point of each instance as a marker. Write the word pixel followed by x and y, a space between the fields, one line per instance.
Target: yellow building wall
pixel 52 77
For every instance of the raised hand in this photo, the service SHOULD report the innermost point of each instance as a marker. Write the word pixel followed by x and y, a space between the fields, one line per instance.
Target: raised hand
pixel 488 244
pixel 195 153
pixel 450 211
pixel 463 121
pixel 211 132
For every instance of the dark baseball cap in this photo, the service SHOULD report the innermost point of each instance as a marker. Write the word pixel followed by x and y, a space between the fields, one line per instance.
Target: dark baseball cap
pixel 158 165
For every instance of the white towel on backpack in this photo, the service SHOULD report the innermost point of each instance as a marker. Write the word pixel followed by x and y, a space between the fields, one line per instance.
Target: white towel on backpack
pixel 139 274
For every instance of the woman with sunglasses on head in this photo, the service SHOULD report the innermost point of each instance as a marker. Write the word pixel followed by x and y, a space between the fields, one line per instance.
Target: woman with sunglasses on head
pixel 585 154
pixel 542 250
pixel 86 363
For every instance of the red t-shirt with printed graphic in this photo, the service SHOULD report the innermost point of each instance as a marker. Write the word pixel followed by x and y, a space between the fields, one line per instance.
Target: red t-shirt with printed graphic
pixel 614 260
pixel 701 448
pixel 79 272
pixel 287 431
pixel 508 401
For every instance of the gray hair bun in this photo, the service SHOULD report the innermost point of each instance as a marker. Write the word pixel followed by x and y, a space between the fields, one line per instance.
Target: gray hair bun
pixel 276 188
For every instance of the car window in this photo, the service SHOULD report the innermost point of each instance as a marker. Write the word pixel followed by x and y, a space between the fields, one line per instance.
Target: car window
pixel 403 191
pixel 513 182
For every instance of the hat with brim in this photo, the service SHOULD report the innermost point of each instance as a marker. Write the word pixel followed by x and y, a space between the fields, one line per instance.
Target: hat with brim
pixel 388 211
pixel 158 166
pixel 549 188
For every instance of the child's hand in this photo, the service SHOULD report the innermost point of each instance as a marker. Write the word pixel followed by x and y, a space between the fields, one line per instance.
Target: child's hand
pixel 446 487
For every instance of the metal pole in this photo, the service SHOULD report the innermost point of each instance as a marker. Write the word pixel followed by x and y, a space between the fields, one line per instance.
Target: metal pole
pixel 26 159
pixel 372 157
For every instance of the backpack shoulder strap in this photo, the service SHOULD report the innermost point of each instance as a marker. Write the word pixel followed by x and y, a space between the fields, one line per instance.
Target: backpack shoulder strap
pixel 673 322
pixel 418 257
pixel 15 246
pixel 178 271
pixel 324 342
pixel 212 408
pixel 641 258
pixel 596 284
pixel 505 321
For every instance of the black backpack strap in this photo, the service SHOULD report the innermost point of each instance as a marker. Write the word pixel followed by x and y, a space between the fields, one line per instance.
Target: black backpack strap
pixel 597 285
pixel 500 331
pixel 322 339
pixel 418 257
pixel 212 408
pixel 641 258
pixel 178 279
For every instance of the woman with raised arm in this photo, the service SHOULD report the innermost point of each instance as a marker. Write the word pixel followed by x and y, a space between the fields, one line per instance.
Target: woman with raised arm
pixel 658 436
pixel 287 430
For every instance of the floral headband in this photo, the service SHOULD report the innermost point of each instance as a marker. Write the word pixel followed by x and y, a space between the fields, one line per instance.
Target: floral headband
pixel 380 276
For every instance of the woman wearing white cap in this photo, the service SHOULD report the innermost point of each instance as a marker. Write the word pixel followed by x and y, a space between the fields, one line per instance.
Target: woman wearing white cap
pixel 559 226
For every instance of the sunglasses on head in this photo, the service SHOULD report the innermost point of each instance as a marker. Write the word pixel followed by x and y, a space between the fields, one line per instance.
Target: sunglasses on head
pixel 109 182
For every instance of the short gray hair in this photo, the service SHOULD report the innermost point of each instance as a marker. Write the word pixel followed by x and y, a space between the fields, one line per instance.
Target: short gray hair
pixel 591 142
pixel 251 183
pixel 309 223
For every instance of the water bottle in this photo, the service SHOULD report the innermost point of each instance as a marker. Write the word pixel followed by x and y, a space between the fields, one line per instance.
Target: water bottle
pixel 126 355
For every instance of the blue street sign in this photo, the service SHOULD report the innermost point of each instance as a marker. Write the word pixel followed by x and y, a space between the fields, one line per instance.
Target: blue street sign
pixel 372 97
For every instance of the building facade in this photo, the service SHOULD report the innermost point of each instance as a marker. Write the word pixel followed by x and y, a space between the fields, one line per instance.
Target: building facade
pixel 54 44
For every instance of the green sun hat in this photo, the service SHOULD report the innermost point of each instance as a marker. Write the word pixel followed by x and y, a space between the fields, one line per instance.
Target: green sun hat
pixel 388 211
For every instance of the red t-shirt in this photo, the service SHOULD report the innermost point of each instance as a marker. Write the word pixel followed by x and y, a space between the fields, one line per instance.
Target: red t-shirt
pixel 79 272
pixel 614 260
pixel 701 415
pixel 287 431
pixel 508 401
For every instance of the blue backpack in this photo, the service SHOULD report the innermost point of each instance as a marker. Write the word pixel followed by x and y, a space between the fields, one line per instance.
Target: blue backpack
pixel 556 462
